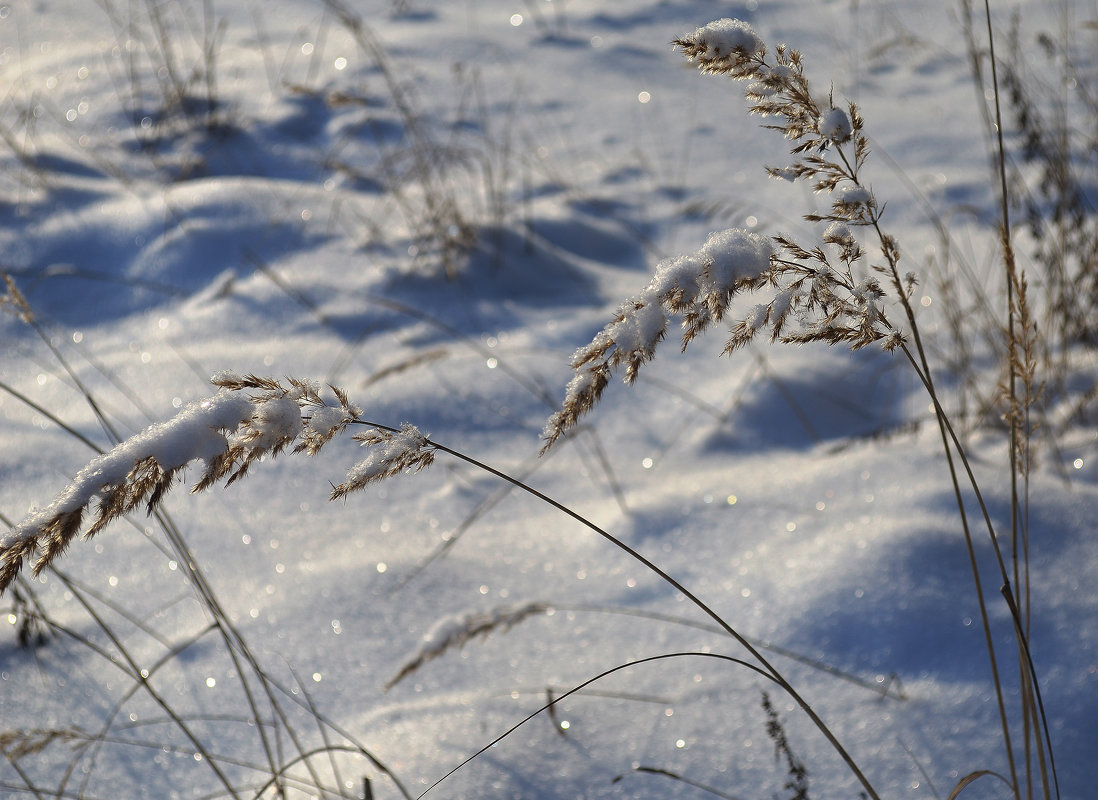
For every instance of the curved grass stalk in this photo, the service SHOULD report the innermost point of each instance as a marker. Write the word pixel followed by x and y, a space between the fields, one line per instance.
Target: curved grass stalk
pixel 584 685
pixel 881 690
pixel 766 667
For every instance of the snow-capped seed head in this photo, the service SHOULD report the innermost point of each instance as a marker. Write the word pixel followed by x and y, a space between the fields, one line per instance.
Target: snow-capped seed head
pixel 697 286
pixel 635 332
pixel 274 423
pixel 676 279
pixel 853 196
pixel 137 471
pixel 324 420
pixel 780 73
pixel 761 89
pixel 834 124
pixel 733 255
pixel 838 233
pixel 391 453
pixel 757 318
pixel 770 81
pixel 723 37
pixel 892 341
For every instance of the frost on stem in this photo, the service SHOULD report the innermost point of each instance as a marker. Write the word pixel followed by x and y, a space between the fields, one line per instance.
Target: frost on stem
pixel 250 418
pixel 823 293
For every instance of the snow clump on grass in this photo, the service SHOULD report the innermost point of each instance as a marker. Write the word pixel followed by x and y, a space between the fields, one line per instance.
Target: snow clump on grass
pixel 814 296
pixel 698 287
pixel 141 469
pixel 835 125
pixel 392 452
pixel 723 37
pixel 248 419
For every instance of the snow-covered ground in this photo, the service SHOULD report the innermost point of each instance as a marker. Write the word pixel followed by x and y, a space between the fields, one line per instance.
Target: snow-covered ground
pixel 432 205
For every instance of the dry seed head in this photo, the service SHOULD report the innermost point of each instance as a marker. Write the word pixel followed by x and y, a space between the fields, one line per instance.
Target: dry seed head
pixel 724 46
pixel 582 394
pixel 14 299
pixel 391 453
pixel 698 287
pixel 249 419
pixel 452 633
pixel 811 297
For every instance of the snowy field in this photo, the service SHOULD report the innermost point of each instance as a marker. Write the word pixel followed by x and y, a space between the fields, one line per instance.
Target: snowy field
pixel 431 205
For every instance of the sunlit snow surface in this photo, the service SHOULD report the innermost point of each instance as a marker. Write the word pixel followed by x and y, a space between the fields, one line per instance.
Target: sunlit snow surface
pixel 296 216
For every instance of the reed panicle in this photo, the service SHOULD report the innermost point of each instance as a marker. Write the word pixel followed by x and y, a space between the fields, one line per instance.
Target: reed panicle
pixel 13 300
pixel 832 292
pixel 250 418
pixel 823 292
pixel 391 453
pixel 453 633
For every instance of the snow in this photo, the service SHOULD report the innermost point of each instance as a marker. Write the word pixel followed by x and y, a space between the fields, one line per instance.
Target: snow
pixel 838 233
pixel 733 255
pixel 724 36
pixel 324 421
pixel 641 325
pixel 724 259
pixel 391 452
pixel 835 125
pixel 309 225
pixel 852 195
pixel 195 433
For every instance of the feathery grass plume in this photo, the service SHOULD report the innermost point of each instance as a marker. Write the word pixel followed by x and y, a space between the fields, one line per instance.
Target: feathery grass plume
pixel 698 287
pixel 1059 208
pixel 828 293
pixel 392 452
pixel 248 419
pixel 281 415
pixel 454 631
pixel 813 294
pixel 13 299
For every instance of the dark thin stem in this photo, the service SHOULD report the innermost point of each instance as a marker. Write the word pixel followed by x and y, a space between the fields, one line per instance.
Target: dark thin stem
pixel 135 672
pixel 1031 692
pixel 99 739
pixel 51 417
pixel 943 428
pixel 774 674
pixel 1032 672
pixel 328 750
pixel 878 689
pixel 682 779
pixel 922 369
pixel 30 787
pixel 108 428
pixel 587 683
